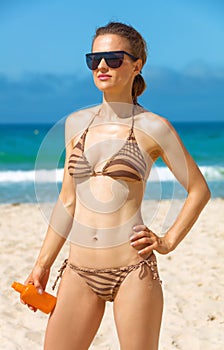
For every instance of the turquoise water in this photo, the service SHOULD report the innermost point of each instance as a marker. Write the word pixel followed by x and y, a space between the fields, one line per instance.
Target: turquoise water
pixel 30 155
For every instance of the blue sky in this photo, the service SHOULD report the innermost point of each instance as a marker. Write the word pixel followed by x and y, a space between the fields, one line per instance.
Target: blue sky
pixel 43 75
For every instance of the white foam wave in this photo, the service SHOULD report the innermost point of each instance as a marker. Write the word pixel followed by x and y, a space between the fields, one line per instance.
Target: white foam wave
pixel 44 176
pixel 211 173
pixel 158 174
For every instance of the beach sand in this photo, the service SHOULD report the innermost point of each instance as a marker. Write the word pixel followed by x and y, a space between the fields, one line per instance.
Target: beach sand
pixel 193 280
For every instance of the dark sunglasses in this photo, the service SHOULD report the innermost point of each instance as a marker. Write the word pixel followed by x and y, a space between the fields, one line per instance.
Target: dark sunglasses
pixel 114 59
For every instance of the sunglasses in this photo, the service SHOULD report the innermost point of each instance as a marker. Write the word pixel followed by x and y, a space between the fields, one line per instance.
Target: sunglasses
pixel 113 59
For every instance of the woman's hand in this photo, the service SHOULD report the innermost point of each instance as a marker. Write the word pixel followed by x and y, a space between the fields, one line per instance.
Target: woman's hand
pixel 38 277
pixel 145 241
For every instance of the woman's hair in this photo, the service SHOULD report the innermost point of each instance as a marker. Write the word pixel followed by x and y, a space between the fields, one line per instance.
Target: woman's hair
pixel 138 49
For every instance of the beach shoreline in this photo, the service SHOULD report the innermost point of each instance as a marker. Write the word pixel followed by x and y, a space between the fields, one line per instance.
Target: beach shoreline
pixel 192 278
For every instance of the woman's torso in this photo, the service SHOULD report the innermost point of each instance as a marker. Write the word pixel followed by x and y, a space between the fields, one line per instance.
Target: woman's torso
pixel 108 205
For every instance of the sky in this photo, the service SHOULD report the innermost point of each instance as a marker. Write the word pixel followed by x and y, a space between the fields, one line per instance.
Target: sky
pixel 43 75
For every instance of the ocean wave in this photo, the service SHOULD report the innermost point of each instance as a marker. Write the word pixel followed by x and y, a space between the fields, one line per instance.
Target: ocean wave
pixel 158 174
pixel 44 176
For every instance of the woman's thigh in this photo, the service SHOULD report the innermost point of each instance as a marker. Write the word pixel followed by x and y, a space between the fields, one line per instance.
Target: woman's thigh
pixel 76 317
pixel 138 310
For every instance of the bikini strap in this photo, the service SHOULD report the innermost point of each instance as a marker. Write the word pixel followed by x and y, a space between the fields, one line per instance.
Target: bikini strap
pixel 98 112
pixel 83 136
pixel 92 119
pixel 131 132
pixel 61 270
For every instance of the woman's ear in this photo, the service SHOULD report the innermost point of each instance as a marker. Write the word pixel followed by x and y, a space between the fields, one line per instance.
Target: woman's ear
pixel 138 66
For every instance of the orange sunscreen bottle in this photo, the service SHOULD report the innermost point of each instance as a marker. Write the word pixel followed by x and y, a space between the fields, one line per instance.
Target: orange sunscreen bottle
pixel 44 302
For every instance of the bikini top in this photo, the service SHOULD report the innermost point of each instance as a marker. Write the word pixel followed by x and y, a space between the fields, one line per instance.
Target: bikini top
pixel 127 164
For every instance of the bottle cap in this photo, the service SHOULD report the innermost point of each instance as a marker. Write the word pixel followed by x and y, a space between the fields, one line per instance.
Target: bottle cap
pixel 17 286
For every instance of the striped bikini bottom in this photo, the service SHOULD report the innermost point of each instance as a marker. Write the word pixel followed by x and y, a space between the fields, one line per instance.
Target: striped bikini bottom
pixel 106 282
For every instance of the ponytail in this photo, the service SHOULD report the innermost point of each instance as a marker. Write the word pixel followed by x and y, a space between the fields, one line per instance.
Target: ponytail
pixel 138 87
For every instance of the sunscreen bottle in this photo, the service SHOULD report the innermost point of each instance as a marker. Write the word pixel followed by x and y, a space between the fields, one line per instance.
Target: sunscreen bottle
pixel 44 302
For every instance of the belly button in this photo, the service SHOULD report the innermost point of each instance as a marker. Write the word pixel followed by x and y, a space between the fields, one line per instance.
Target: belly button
pixel 95 238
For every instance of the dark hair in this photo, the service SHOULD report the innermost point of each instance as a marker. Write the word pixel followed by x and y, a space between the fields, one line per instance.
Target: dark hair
pixel 138 49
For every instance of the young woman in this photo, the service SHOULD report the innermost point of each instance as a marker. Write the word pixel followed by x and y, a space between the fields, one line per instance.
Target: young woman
pixel 110 150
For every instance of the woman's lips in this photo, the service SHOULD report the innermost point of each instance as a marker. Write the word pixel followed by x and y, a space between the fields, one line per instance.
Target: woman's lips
pixel 104 76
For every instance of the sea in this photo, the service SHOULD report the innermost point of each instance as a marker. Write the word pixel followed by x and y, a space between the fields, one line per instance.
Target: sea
pixel 32 159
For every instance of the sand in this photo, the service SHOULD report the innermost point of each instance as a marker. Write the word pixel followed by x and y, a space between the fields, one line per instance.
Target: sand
pixel 193 280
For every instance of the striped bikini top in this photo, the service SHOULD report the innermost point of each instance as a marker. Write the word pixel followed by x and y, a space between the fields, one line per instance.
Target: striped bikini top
pixel 127 164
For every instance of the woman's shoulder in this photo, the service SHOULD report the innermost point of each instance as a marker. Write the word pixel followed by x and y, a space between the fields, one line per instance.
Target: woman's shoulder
pixel 80 119
pixel 160 129
pixel 153 122
pixel 76 122
pixel 83 114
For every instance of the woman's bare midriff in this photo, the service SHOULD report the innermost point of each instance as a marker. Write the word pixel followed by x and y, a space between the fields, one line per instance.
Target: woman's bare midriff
pixel 123 255
pixel 103 223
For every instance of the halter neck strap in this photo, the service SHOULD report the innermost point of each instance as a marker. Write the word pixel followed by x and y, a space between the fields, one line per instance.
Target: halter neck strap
pixel 98 113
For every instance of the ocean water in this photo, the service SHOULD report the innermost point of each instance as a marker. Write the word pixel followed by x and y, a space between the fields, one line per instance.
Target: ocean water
pixel 32 157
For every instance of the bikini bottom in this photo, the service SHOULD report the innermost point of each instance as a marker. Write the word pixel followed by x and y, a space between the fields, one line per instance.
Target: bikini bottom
pixel 106 282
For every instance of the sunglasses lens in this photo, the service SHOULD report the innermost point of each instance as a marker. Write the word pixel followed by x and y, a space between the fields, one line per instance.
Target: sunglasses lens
pixel 92 62
pixel 113 59
pixel 115 62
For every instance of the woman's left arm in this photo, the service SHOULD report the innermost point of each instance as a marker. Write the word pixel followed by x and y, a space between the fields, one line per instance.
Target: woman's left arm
pixel 184 168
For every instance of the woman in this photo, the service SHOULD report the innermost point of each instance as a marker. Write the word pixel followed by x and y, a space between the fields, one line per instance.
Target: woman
pixel 110 150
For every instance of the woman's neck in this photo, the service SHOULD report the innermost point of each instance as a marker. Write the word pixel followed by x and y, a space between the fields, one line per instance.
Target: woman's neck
pixel 116 110
pixel 121 97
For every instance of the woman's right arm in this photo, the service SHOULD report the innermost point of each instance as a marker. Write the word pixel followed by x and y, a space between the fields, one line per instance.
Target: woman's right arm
pixel 59 226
